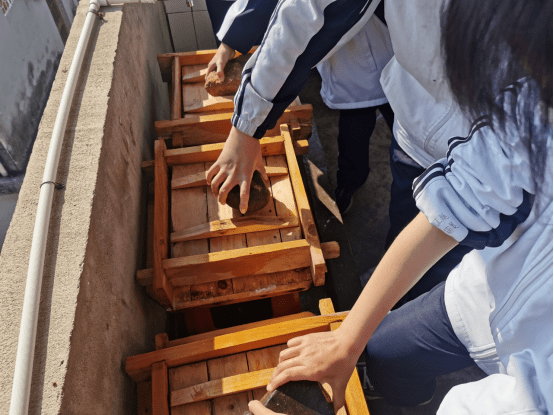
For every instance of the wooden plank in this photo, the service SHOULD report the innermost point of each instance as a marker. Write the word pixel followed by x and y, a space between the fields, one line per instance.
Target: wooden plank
pixel 160 391
pixel 194 74
pixel 285 203
pixel 197 100
pixel 270 146
pixel 270 290
pixel 189 208
pixel 199 179
pixel 330 250
pixel 229 385
pixel 354 394
pixel 202 288
pixel 176 110
pixel 186 376
pixel 161 285
pixel 256 260
pixel 150 234
pixel 318 267
pixel 261 359
pixel 203 336
pixel 224 367
pixel 208 129
pixel 138 367
pixel 144 398
pixel 234 226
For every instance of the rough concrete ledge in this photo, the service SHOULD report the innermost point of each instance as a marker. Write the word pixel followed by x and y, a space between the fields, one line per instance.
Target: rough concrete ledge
pixel 92 314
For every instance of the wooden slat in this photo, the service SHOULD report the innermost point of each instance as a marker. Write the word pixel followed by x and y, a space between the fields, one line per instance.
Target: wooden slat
pixel 217 266
pixel 160 390
pixel 138 367
pixel 199 179
pixel 354 394
pixel 186 376
pixel 330 250
pixel 204 289
pixel 176 110
pixel 161 285
pixel 220 332
pixel 225 367
pixel 268 291
pixel 270 146
pixel 234 226
pixel 189 208
pixel 283 196
pixel 261 359
pixel 226 386
pixel 197 100
pixel 144 398
pixel 318 267
pixel 194 74
pixel 208 129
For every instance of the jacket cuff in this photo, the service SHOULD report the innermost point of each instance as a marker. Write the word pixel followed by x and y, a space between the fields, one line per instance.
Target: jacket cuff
pixel 251 110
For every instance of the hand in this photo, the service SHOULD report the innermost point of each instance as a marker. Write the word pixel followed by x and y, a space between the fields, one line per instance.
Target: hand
pixel 257 408
pixel 220 59
pixel 319 357
pixel 241 155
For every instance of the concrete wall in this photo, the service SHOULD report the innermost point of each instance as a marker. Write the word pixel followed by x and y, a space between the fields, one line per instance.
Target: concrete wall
pixel 92 313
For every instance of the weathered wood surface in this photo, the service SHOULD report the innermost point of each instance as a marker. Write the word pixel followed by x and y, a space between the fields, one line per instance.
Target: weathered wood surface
pixel 160 389
pixel 318 267
pixel 186 376
pixel 199 179
pixel 240 262
pixel 234 226
pixel 161 286
pixel 229 385
pixel 208 129
pixel 163 342
pixel 330 250
pixel 139 367
pixel 270 146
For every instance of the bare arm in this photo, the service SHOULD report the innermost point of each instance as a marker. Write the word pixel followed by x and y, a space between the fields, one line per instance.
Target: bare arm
pixel 331 356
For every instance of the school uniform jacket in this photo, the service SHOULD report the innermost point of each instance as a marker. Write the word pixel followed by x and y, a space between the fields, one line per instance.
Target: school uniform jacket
pixel 499 298
pixel 350 77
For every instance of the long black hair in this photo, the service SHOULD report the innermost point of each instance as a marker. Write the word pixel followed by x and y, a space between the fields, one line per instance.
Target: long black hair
pixel 490 44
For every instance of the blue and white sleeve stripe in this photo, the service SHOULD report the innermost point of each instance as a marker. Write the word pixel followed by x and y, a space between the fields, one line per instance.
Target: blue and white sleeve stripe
pixel 300 34
pixel 482 190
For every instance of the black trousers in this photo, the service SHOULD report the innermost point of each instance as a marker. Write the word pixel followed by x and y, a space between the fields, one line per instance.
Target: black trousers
pixel 355 129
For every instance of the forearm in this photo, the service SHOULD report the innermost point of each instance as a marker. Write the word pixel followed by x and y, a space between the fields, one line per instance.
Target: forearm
pixel 417 248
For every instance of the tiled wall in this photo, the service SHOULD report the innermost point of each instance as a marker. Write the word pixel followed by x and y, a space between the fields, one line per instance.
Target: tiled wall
pixel 190 26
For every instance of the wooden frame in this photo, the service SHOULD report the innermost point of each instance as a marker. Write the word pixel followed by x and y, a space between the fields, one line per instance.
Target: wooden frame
pixel 218 373
pixel 199 118
pixel 215 256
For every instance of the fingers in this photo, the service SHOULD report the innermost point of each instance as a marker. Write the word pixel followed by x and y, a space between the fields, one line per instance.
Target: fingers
pixel 220 63
pixel 211 66
pixel 289 353
pixel 338 397
pixel 287 375
pixel 257 408
pixel 212 171
pixel 296 341
pixel 225 189
pixel 265 178
pixel 244 195
pixel 217 181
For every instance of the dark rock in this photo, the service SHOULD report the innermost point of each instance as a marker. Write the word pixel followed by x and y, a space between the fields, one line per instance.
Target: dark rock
pixel 259 194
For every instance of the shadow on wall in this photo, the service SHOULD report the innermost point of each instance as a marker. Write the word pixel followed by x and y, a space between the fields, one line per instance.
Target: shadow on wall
pixel 7 207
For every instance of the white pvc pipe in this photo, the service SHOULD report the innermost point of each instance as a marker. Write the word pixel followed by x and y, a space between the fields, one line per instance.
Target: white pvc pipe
pixel 21 388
